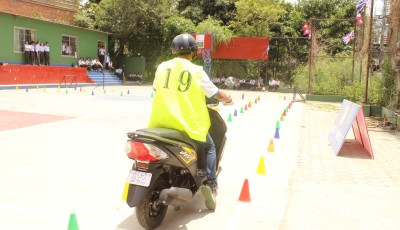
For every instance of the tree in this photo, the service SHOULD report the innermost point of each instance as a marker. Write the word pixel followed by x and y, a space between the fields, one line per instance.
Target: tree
pixel 135 26
pixel 199 10
pixel 254 17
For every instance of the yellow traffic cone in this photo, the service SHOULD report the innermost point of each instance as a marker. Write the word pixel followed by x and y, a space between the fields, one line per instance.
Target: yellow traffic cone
pixel 125 193
pixel 261 167
pixel 271 146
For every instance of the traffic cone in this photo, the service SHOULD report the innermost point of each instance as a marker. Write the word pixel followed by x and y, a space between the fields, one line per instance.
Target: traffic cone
pixel 282 117
pixel 121 94
pixel 125 193
pixel 242 95
pixel 261 167
pixel 241 110
pixel 58 89
pixel 37 86
pixel 287 109
pixel 66 91
pixel 127 92
pixel 255 101
pixel 105 91
pixel 258 98
pixel 80 89
pixel 276 134
pixel 284 113
pixel 73 223
pixel 16 87
pixel 249 104
pixel 235 113
pixel 75 88
pixel 289 105
pixel 93 92
pixel 271 148
pixel 230 118
pixel 284 97
pixel 44 89
pixel 245 193
pixel 151 95
pixel 245 107
pixel 26 90
pixel 277 126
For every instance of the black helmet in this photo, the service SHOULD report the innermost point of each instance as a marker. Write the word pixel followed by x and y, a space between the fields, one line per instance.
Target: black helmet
pixel 184 44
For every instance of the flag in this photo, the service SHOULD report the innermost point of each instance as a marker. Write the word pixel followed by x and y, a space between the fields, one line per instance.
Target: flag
pixel 360 5
pixel 306 31
pixel 359 19
pixel 305 26
pixel 348 37
pixel 267 50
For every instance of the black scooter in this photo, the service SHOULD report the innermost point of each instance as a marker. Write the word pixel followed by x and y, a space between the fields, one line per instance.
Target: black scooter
pixel 165 166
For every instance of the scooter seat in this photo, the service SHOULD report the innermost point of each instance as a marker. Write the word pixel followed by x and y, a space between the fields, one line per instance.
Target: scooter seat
pixel 171 134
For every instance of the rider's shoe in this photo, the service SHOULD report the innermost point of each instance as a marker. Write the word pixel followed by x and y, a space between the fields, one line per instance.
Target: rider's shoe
pixel 209 190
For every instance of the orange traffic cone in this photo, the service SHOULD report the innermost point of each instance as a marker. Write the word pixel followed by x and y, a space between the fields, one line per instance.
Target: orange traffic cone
pixel 245 193
pixel 284 97
pixel 245 107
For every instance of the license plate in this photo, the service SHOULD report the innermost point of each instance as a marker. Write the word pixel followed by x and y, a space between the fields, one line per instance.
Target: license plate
pixel 139 178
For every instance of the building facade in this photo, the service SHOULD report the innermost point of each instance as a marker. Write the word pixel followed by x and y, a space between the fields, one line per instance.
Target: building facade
pixel 19 22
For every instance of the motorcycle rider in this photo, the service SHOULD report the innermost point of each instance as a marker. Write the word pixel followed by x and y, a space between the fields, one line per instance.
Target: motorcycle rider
pixel 180 103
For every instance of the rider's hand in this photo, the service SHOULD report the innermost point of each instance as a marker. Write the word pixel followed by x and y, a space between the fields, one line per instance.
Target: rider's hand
pixel 228 102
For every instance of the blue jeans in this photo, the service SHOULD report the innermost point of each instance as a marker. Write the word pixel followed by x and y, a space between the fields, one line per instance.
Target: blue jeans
pixel 211 157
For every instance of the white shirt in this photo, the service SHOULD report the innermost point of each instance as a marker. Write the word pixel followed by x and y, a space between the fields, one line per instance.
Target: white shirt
pixel 27 47
pixel 46 49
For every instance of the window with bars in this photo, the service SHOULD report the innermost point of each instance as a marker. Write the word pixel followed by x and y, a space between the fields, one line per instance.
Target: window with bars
pixel 69 46
pixel 20 36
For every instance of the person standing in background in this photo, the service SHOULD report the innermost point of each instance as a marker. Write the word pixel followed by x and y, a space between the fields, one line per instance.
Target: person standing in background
pixel 41 54
pixel 102 51
pixel 27 52
pixel 32 53
pixel 47 54
pixel 37 53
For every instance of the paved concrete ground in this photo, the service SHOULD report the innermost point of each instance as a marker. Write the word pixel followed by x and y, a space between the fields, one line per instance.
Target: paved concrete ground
pixel 72 160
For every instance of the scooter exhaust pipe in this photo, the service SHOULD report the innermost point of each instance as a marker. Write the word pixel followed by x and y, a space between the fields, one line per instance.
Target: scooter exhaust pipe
pixel 176 196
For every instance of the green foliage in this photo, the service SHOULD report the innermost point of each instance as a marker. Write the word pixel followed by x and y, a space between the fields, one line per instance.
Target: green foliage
pixel 221 34
pixel 82 20
pixel 333 77
pixel 199 10
pixel 255 16
pixel 388 83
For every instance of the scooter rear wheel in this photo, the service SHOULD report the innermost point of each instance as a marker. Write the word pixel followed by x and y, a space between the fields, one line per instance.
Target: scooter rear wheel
pixel 150 212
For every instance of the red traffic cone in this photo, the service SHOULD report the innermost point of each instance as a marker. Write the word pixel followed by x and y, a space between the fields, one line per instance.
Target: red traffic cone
pixel 245 193
pixel 284 97
pixel 245 107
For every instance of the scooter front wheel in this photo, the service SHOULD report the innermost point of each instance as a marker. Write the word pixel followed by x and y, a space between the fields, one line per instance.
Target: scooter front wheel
pixel 151 212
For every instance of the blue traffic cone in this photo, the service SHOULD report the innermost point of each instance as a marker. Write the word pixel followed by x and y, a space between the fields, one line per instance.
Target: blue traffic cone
pixel 276 134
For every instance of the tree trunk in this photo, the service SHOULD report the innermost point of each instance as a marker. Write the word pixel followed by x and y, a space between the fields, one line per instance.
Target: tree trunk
pixel 394 44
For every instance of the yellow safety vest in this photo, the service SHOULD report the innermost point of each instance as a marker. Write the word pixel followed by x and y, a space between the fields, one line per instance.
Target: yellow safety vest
pixel 179 102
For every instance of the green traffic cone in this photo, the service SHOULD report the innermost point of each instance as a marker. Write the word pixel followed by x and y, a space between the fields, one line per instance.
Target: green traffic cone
pixel 121 94
pixel 277 126
pixel 241 110
pixel 66 91
pixel 73 223
pixel 287 109
pixel 230 118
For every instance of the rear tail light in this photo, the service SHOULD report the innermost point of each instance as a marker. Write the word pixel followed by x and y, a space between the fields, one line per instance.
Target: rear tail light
pixel 144 152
